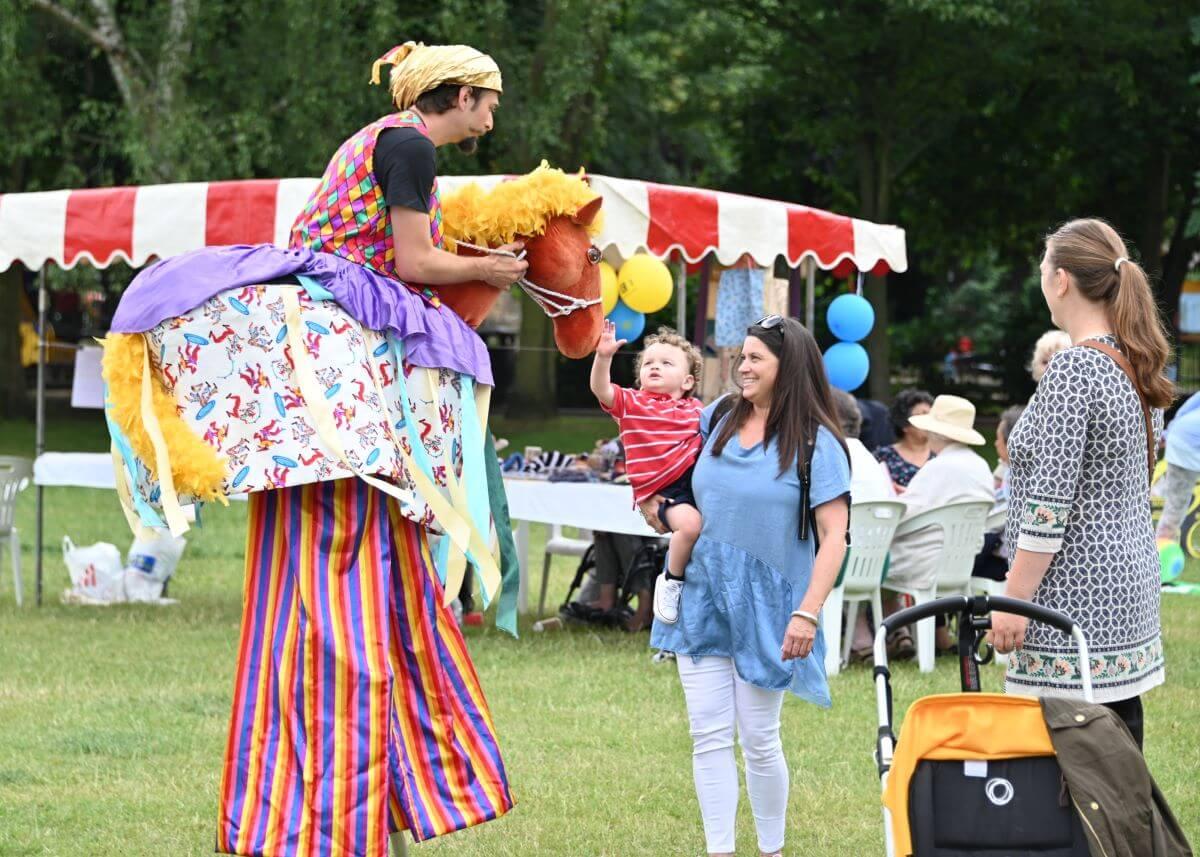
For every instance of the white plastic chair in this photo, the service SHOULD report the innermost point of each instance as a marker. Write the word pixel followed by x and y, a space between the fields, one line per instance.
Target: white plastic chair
pixel 987 586
pixel 962 526
pixel 871 528
pixel 983 585
pixel 559 545
pixel 15 474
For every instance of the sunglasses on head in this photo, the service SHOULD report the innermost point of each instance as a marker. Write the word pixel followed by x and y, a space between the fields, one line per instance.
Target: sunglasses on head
pixel 770 322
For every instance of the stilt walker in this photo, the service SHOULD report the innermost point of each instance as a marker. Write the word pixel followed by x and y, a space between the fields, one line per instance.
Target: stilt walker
pixel 357 712
pixel 349 404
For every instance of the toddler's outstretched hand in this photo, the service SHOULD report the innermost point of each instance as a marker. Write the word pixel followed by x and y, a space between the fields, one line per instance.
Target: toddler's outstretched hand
pixel 609 344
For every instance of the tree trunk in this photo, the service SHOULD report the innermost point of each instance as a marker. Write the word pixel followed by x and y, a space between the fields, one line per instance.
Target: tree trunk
pixel 1150 236
pixel 12 374
pixel 873 179
pixel 150 95
pixel 534 390
pixel 1178 258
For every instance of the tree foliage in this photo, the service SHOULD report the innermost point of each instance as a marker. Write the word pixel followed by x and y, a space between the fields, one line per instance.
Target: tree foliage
pixel 975 124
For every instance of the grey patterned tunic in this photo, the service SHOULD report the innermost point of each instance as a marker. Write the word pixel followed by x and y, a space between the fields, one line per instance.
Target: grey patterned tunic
pixel 1080 491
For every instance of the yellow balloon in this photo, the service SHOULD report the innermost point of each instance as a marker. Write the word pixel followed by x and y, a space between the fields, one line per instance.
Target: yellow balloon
pixel 608 287
pixel 645 283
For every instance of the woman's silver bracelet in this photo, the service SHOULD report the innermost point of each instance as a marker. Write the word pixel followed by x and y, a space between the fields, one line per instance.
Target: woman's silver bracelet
pixel 811 617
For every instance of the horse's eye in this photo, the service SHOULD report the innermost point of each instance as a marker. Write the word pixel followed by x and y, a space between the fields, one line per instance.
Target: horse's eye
pixel 593 255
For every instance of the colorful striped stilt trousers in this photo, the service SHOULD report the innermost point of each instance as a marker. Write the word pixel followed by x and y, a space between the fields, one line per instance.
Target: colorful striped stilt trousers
pixel 356 709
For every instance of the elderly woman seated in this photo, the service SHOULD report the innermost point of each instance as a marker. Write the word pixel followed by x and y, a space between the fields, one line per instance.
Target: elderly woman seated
pixel 954 473
pixel 992 562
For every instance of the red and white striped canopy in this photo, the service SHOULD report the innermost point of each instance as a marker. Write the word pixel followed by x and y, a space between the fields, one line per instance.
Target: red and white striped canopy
pixel 135 224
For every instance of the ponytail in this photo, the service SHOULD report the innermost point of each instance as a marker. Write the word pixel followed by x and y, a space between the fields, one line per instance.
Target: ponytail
pixel 1138 327
pixel 1093 253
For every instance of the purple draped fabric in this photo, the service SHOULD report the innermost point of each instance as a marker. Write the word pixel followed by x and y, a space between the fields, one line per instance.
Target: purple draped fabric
pixel 433 337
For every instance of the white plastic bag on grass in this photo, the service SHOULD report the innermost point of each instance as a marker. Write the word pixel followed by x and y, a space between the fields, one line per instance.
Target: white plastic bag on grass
pixel 97 575
pixel 150 564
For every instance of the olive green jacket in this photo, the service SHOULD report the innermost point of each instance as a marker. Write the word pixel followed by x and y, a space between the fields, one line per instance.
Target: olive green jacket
pixel 1121 808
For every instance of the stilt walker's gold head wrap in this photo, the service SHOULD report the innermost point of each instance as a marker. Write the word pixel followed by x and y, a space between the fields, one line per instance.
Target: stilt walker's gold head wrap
pixel 418 68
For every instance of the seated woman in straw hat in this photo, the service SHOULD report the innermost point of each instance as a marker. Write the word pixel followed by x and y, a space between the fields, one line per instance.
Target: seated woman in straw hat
pixel 954 473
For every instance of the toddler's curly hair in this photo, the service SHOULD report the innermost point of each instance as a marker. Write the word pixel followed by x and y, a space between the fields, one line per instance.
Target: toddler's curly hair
pixel 670 336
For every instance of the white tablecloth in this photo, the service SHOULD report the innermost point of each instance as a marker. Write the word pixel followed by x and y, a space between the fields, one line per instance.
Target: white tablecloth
pixel 77 469
pixel 588 505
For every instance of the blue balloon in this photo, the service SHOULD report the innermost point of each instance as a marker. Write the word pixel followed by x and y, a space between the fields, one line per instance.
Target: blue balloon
pixel 630 323
pixel 851 318
pixel 846 364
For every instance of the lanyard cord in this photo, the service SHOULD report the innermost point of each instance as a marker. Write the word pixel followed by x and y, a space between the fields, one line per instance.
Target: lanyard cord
pixel 554 304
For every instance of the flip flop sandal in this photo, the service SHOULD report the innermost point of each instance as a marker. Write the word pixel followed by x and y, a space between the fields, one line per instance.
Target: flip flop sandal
pixel 900 645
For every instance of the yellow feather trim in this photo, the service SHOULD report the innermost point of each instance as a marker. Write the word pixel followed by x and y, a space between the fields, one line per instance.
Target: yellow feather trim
pixel 197 469
pixel 522 206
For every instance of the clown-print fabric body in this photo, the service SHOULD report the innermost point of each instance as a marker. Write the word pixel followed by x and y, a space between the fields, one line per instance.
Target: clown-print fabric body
pixel 230 368
pixel 347 215
pixel 1079 490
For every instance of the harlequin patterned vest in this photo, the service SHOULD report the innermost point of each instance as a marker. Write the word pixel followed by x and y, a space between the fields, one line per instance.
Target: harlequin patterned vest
pixel 346 214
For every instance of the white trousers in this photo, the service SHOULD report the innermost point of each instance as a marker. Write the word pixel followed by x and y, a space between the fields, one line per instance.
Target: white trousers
pixel 718 701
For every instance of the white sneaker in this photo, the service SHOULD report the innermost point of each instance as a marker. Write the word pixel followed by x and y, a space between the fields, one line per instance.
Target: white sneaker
pixel 666 599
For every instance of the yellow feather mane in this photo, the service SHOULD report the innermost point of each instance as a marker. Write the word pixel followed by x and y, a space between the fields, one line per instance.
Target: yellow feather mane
pixel 522 206
pixel 196 467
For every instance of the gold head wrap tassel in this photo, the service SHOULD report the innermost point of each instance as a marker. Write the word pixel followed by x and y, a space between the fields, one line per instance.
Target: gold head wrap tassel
pixel 418 68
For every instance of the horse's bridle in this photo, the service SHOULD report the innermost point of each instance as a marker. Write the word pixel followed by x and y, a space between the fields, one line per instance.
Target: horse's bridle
pixel 554 304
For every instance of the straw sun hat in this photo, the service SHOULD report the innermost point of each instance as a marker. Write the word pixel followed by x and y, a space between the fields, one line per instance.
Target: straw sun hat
pixel 952 417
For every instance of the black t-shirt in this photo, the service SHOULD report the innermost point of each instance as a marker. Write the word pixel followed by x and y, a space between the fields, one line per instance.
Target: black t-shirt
pixel 405 164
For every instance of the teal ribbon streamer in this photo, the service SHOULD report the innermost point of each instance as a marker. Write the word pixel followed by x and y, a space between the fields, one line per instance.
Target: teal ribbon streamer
pixel 510 565
pixel 146 513
pixel 475 481
pixel 441 553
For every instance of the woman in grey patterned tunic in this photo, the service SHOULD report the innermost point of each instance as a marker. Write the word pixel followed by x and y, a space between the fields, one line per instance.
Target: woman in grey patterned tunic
pixel 1080 503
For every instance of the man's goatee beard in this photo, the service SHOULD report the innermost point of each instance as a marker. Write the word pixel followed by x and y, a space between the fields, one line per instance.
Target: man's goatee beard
pixel 469 146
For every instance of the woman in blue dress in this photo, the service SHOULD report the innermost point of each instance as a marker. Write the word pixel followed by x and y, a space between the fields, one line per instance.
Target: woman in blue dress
pixel 748 620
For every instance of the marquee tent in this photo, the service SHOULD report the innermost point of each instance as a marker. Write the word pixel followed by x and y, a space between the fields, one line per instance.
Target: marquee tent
pixel 135 225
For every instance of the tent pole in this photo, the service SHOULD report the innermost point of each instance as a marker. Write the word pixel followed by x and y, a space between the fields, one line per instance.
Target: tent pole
pixel 701 313
pixel 810 294
pixel 681 297
pixel 793 301
pixel 40 436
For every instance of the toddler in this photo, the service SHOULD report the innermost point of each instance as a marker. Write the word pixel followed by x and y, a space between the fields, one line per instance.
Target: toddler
pixel 660 429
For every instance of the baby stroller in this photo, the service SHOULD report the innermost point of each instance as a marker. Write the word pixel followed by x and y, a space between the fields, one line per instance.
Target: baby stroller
pixel 974 773
pixel 645 564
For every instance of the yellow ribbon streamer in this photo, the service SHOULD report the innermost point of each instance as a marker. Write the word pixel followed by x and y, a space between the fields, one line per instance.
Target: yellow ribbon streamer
pixel 457 527
pixel 172 511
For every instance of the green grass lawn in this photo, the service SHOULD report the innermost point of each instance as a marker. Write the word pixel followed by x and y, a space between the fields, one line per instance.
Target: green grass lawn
pixel 113 719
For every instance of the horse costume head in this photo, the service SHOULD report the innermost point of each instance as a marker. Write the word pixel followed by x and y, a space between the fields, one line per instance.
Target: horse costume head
pixel 555 215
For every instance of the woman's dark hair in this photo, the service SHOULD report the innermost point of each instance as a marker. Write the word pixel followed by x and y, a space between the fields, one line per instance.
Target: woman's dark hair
pixel 800 402
pixel 903 406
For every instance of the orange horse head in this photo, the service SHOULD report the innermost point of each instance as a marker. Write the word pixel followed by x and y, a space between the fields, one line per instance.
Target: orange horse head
pixel 555 215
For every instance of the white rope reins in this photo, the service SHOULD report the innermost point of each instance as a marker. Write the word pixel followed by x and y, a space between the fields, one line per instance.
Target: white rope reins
pixel 554 304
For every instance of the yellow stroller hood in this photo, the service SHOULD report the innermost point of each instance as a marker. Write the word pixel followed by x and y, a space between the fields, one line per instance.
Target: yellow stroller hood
pixel 960 726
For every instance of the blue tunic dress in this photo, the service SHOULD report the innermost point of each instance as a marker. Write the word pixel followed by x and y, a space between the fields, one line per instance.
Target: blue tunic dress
pixel 749 570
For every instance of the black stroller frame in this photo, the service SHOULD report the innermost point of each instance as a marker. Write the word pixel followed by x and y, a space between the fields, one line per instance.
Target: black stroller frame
pixel 649 557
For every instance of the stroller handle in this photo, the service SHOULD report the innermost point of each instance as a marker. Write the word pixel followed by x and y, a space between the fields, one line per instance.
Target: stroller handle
pixel 955 604
pixel 977 609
